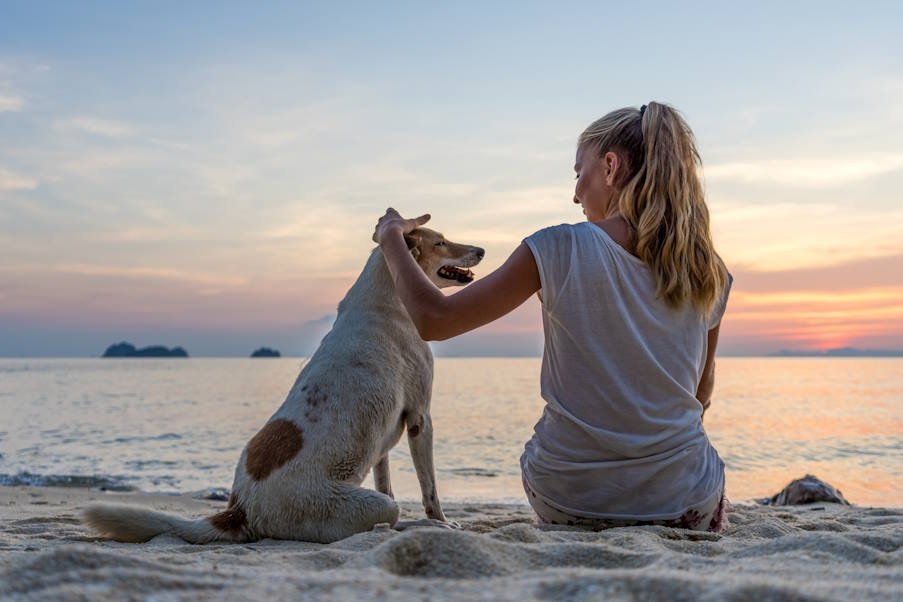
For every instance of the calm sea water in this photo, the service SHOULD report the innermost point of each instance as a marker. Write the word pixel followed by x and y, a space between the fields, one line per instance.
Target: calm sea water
pixel 179 425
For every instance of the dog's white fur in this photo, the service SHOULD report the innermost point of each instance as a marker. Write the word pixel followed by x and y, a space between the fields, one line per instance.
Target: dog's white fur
pixel 369 380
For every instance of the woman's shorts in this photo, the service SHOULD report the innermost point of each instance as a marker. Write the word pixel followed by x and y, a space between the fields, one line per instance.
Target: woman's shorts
pixel 711 518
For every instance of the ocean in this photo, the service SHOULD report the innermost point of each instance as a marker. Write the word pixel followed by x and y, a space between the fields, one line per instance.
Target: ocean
pixel 178 425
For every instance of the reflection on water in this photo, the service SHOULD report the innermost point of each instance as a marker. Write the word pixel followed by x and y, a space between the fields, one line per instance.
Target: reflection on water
pixel 839 418
pixel 179 425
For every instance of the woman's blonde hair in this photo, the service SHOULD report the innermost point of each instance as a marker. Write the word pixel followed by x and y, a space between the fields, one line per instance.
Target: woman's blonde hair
pixel 660 195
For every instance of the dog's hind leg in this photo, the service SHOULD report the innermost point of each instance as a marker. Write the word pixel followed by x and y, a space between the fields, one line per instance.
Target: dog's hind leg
pixel 345 511
pixel 420 440
pixel 381 476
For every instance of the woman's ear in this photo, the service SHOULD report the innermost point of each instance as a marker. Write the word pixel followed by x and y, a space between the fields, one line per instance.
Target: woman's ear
pixel 612 165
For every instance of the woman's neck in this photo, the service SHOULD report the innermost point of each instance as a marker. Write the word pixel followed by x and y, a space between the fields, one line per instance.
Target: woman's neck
pixel 619 230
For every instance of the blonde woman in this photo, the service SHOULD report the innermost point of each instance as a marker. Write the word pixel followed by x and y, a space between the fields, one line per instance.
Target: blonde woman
pixel 632 300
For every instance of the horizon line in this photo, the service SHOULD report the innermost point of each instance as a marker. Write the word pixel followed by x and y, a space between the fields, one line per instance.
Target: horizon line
pixel 783 354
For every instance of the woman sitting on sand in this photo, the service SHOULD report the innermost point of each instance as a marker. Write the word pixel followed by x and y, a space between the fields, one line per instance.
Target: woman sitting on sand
pixel 632 300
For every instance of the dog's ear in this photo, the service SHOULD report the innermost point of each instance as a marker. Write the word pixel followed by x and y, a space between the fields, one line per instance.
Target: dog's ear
pixel 413 242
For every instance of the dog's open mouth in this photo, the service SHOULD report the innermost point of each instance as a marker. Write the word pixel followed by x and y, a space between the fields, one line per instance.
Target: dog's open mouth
pixel 450 272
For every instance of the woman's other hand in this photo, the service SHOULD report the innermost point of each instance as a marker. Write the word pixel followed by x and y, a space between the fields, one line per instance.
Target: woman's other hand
pixel 392 222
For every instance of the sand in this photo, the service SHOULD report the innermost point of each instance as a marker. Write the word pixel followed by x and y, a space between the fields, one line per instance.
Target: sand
pixel 814 552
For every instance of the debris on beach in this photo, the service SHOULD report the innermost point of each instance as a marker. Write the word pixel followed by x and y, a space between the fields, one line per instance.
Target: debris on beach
pixel 807 490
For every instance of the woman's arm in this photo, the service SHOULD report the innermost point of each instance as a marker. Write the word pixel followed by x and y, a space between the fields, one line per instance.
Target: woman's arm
pixel 437 316
pixel 707 382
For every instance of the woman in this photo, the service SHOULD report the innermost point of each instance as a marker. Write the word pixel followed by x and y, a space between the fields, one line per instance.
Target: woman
pixel 632 300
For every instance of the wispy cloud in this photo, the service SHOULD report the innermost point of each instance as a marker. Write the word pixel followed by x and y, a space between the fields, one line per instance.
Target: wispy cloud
pixel 783 235
pixel 95 126
pixel 854 303
pixel 13 181
pixel 815 319
pixel 150 273
pixel 10 104
pixel 240 188
pixel 861 274
pixel 807 172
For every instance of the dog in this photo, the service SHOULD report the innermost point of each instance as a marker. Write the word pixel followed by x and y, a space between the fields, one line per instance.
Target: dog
pixel 369 380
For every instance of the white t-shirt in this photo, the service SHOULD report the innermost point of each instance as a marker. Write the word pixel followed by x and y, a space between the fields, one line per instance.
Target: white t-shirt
pixel 621 435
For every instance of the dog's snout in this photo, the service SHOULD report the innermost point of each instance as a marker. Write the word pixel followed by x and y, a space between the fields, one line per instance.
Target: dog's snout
pixel 479 252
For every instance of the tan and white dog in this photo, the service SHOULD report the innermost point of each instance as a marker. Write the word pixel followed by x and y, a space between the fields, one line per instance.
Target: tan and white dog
pixel 370 379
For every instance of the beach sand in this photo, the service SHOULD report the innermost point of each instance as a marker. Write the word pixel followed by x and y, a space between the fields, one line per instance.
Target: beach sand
pixel 814 552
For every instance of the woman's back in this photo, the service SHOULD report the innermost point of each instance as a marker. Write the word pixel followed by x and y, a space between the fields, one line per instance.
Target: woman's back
pixel 621 436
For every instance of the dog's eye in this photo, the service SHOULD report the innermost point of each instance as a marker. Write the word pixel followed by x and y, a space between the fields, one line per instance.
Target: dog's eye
pixel 441 243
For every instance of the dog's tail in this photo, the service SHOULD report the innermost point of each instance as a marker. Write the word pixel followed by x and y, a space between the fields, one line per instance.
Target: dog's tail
pixel 134 524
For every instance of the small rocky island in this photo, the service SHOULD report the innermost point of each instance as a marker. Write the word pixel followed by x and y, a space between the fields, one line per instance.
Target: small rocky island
pixel 266 352
pixel 124 349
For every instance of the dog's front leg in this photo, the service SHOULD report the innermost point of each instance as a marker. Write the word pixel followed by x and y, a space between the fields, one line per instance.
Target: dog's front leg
pixel 381 476
pixel 420 440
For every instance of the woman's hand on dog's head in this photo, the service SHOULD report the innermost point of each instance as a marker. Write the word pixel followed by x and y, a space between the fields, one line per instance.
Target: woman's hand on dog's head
pixel 392 222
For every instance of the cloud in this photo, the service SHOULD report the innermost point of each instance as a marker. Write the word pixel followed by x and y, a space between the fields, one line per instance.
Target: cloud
pixel 854 303
pixel 858 274
pixel 89 165
pixel 326 320
pixel 97 127
pixel 10 104
pixel 777 236
pixel 806 172
pixel 13 181
pixel 815 319
pixel 144 273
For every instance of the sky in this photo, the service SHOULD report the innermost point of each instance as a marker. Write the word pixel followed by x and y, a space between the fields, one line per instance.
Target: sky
pixel 209 174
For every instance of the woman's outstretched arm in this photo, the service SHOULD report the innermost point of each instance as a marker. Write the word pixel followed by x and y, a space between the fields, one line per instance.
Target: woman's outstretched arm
pixel 437 316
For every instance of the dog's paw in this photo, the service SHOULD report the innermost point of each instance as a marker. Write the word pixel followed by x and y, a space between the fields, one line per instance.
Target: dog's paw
pixel 424 522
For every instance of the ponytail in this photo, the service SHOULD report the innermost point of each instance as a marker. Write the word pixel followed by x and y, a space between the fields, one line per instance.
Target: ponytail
pixel 662 201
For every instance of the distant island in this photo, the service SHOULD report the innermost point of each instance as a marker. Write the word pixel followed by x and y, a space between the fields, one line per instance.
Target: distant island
pixel 839 352
pixel 128 350
pixel 266 352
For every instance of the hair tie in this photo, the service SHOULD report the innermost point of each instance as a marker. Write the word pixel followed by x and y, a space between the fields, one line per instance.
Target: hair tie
pixel 642 110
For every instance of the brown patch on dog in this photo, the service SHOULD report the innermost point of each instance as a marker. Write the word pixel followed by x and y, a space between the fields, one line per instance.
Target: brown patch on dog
pixel 232 519
pixel 413 430
pixel 274 445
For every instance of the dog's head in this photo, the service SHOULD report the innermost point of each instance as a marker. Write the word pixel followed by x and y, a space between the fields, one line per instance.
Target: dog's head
pixel 445 262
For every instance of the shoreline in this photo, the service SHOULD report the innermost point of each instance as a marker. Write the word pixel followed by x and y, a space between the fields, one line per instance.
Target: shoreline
pixel 816 551
pixel 108 487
